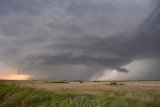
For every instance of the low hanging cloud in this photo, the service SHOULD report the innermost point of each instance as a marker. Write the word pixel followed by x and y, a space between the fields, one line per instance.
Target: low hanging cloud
pixel 75 39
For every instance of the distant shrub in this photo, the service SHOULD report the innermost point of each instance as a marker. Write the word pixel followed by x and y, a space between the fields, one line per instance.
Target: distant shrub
pixel 56 82
pixel 96 81
pixel 114 83
pixel 80 81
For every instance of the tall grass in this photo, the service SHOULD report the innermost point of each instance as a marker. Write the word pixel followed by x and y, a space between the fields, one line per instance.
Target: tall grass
pixel 17 96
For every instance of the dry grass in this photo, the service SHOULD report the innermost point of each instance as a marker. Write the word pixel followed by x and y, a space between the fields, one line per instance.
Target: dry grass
pixel 92 87
pixel 137 93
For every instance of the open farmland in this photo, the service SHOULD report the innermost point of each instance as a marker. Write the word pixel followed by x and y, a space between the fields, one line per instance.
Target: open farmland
pixel 79 94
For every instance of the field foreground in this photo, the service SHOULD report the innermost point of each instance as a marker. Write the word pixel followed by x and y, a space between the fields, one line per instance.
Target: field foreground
pixel 79 94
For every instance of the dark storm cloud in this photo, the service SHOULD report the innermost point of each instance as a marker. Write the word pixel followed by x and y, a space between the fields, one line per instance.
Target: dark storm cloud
pixel 18 6
pixel 73 39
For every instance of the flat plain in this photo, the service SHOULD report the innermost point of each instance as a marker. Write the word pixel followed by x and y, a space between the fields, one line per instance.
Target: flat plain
pixel 33 93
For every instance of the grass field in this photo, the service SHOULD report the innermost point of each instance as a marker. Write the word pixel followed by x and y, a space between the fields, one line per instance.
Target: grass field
pixel 79 94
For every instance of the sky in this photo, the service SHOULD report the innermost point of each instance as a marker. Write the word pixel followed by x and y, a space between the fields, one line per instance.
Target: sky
pixel 80 39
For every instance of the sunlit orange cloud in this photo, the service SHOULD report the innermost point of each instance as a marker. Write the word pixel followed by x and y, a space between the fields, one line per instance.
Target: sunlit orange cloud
pixel 13 75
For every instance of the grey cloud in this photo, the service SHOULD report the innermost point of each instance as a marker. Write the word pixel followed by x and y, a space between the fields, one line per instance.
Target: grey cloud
pixel 19 6
pixel 74 38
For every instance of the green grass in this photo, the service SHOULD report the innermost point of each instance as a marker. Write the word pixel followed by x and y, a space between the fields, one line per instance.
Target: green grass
pixel 17 96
